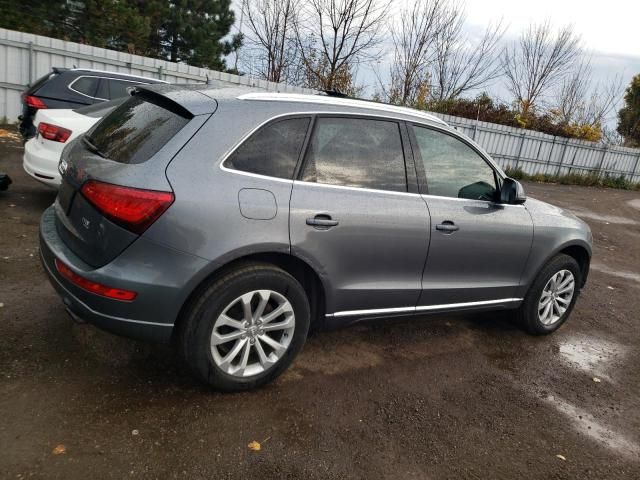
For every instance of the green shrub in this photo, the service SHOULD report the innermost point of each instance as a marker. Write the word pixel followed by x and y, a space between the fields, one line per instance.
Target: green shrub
pixel 591 179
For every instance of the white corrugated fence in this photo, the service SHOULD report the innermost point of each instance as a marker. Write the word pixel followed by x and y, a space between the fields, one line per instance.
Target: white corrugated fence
pixel 25 57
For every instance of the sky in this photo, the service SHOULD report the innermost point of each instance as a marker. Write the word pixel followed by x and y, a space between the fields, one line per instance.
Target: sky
pixel 609 31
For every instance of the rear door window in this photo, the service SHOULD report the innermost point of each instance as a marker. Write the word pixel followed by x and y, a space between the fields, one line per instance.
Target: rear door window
pixel 85 85
pixel 136 130
pixel 273 150
pixel 356 152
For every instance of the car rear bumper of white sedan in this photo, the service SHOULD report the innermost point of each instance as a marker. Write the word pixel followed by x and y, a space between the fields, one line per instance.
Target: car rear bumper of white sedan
pixel 41 162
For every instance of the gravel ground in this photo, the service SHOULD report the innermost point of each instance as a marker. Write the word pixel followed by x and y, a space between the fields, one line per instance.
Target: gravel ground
pixel 429 397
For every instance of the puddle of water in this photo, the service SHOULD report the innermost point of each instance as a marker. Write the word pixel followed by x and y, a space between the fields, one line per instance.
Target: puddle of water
pixel 591 355
pixel 604 218
pixel 635 203
pixel 617 273
pixel 587 425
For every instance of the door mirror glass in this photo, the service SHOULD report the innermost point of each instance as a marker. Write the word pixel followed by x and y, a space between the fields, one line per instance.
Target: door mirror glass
pixel 512 192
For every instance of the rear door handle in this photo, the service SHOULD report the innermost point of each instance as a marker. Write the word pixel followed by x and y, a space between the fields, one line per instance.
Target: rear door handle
pixel 447 227
pixel 322 221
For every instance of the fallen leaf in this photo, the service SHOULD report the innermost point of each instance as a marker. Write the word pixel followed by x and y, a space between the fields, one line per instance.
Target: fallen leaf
pixel 59 450
pixel 255 446
pixel 561 457
pixel 596 379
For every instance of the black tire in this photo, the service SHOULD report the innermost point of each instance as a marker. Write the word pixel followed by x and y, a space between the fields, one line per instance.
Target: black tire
pixel 198 322
pixel 527 313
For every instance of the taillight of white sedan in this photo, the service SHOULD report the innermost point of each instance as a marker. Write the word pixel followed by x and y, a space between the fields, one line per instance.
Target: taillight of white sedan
pixel 56 128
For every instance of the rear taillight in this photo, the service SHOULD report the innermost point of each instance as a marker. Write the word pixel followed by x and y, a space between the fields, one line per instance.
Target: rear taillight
pixel 53 132
pixel 93 287
pixel 133 208
pixel 34 102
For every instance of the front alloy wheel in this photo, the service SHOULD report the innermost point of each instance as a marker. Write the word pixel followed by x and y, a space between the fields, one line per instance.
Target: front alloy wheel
pixel 556 297
pixel 551 296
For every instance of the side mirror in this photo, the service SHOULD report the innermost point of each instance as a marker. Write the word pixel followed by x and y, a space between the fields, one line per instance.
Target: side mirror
pixel 512 192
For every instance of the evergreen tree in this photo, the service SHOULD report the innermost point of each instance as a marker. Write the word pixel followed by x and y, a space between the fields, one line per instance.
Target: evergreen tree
pixel 629 115
pixel 194 31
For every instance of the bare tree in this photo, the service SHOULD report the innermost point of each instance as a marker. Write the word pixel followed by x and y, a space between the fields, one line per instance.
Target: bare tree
pixel 334 36
pixel 272 37
pixel 413 35
pixel 580 101
pixel 434 58
pixel 538 61
pixel 460 64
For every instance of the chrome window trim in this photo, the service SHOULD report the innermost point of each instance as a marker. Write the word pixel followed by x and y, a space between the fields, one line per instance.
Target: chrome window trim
pixel 426 196
pixel 99 77
pixel 95 70
pixel 237 145
pixel 358 189
pixel 423 308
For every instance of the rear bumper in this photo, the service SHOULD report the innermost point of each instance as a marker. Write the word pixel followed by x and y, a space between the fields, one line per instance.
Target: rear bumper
pixel 162 284
pixel 41 163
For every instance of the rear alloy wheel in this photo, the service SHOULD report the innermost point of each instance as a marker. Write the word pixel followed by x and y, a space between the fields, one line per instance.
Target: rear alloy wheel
pixel 252 333
pixel 246 327
pixel 552 296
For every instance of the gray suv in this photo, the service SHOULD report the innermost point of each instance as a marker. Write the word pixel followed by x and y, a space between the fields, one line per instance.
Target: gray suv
pixel 232 222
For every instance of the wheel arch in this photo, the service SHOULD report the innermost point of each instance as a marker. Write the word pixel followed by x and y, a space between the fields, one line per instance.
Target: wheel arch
pixel 297 268
pixel 578 250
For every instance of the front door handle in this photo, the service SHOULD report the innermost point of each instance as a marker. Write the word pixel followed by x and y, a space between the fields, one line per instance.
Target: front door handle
pixel 322 221
pixel 447 227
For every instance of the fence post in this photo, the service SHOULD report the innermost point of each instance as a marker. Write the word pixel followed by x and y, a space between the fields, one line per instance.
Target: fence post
pixel 30 63
pixel 553 144
pixel 522 135
pixel 635 167
pixel 604 154
pixel 564 150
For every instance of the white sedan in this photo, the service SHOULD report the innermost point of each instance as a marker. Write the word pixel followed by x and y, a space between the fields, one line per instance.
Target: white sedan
pixel 55 128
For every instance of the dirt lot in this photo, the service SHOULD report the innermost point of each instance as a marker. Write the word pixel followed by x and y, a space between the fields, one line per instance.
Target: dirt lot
pixel 432 397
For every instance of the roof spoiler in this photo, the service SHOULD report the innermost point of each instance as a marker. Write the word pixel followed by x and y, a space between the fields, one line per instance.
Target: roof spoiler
pixel 185 100
pixel 59 69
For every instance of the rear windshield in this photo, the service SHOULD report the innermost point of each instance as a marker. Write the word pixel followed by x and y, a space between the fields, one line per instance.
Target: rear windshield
pixel 41 81
pixel 136 130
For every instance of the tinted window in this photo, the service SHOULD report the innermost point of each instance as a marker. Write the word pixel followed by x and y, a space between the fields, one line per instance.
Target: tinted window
pixel 118 88
pixel 356 152
pixel 86 85
pixel 273 150
pixel 136 130
pixel 453 168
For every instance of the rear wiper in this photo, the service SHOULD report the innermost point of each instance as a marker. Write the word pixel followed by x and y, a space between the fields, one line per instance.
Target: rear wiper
pixel 92 147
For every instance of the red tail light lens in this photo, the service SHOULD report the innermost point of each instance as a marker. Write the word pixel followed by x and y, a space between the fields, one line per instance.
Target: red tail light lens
pixel 133 208
pixel 34 102
pixel 93 287
pixel 53 132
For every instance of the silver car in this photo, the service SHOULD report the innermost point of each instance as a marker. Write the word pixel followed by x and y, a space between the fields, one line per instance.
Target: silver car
pixel 231 222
